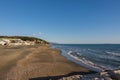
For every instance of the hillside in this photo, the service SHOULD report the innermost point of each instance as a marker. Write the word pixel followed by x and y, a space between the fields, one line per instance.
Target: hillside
pixel 26 38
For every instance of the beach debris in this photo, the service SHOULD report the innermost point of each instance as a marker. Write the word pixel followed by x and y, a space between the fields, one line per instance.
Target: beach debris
pixel 105 75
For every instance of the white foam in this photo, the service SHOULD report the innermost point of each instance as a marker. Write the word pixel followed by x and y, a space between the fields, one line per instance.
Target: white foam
pixel 87 63
pixel 113 53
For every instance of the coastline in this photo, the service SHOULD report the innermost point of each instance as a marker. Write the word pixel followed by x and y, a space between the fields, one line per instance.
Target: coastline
pixel 89 65
pixel 39 62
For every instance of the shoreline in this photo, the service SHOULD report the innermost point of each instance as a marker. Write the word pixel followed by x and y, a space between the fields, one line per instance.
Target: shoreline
pixel 88 65
pixel 41 61
pixel 76 60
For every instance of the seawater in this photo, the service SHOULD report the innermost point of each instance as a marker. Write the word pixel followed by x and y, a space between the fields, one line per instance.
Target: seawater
pixel 95 56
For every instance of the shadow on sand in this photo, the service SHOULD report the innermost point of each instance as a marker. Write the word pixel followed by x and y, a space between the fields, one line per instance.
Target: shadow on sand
pixel 61 76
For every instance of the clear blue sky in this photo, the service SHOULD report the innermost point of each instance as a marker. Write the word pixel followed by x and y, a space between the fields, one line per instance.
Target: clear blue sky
pixel 62 21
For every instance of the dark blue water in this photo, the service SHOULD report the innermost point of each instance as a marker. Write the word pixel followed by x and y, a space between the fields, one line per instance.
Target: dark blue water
pixel 104 56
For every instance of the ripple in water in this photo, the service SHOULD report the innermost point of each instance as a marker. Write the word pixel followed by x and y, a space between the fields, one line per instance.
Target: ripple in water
pixel 98 55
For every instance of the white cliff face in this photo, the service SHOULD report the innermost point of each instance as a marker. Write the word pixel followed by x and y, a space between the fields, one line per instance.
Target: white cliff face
pixel 15 42
pixel 2 42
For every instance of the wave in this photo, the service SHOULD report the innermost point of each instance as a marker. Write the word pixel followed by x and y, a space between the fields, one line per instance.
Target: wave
pixel 87 63
pixel 95 57
pixel 113 53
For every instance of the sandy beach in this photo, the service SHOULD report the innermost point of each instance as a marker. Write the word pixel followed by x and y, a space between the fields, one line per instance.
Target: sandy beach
pixel 35 62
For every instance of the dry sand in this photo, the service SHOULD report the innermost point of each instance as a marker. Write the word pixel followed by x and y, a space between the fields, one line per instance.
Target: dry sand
pixel 26 63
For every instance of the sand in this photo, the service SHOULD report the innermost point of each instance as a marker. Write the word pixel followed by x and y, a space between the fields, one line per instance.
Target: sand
pixel 35 62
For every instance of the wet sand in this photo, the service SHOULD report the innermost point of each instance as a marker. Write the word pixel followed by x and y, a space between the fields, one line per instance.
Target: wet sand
pixel 33 62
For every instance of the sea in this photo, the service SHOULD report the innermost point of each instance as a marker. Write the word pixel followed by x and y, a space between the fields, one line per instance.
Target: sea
pixel 97 57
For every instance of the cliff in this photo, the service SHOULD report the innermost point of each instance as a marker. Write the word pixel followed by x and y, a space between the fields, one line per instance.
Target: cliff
pixel 21 40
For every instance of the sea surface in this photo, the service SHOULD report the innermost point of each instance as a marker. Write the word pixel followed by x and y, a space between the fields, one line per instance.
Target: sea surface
pixel 97 57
